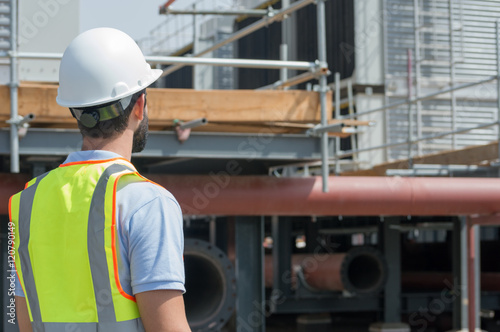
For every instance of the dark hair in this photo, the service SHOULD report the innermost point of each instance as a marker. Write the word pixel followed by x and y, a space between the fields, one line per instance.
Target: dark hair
pixel 109 128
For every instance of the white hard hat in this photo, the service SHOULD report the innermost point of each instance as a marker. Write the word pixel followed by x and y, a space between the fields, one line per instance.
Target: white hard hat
pixel 101 66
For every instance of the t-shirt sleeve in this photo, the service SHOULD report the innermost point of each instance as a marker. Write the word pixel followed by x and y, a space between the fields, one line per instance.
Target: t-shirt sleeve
pixel 19 290
pixel 156 245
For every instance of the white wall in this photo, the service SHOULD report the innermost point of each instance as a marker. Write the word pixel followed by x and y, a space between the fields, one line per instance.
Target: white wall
pixel 45 26
pixel 369 70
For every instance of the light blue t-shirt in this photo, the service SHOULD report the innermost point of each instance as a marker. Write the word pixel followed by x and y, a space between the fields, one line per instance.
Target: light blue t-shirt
pixel 150 234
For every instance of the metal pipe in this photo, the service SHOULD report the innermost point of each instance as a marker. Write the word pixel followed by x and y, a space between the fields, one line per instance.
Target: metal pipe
pixel 285 38
pixel 337 116
pixel 246 12
pixel 14 85
pixel 241 63
pixel 459 131
pixel 189 61
pixel 301 78
pixel 323 87
pixel 330 128
pixel 429 96
pixel 195 46
pixel 498 85
pixel 452 77
pixel 264 195
pixel 361 270
pixel 350 100
pixel 410 120
pixel 284 57
pixel 193 123
pixel 428 281
pixel 416 16
pixel 246 31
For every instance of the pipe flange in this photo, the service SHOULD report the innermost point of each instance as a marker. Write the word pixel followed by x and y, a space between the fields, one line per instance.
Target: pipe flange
pixel 363 271
pixel 210 297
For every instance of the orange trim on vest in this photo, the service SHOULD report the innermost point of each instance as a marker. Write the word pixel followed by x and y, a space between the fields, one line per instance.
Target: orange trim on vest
pixel 113 244
pixel 145 179
pixel 26 185
pixel 91 162
pixel 10 208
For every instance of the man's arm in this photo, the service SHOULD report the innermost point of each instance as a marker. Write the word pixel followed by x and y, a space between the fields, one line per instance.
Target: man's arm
pixel 162 311
pixel 23 318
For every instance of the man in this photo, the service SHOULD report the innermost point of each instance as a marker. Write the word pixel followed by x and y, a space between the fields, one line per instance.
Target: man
pixel 99 247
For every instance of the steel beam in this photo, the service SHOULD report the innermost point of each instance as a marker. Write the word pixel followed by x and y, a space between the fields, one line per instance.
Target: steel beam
pixel 61 142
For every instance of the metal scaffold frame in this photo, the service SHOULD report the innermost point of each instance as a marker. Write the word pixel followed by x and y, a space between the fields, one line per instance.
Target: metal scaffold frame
pixel 317 69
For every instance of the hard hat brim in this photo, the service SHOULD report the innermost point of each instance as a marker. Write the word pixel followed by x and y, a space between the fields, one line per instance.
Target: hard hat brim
pixel 155 75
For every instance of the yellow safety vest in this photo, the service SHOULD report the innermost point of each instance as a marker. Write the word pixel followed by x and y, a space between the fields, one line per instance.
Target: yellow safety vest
pixel 66 250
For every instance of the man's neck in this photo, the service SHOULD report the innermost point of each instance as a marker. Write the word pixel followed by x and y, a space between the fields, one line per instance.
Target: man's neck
pixel 121 145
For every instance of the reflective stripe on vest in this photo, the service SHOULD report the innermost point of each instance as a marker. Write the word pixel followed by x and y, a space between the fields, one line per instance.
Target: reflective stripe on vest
pixel 66 249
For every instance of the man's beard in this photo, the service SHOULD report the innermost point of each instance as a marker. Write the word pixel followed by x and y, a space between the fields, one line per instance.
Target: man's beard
pixel 141 136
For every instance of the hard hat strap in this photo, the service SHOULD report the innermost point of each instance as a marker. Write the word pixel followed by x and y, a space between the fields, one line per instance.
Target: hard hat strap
pixel 90 116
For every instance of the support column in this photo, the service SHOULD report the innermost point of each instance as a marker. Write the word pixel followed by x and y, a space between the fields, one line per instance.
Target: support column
pixel 460 305
pixel 392 253
pixel 390 239
pixel 282 255
pixel 473 281
pixel 250 302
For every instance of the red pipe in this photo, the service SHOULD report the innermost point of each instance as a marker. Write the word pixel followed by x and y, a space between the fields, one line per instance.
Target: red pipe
pixel 9 185
pixel 436 281
pixel 166 5
pixel 221 194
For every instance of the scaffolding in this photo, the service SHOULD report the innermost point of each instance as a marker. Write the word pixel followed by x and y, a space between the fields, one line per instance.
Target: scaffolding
pixel 439 44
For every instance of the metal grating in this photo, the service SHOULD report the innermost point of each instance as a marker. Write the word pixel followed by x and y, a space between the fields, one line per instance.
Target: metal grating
pixel 457 44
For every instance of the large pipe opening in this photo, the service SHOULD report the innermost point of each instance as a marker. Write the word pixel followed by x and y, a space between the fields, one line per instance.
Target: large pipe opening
pixel 365 273
pixel 210 286
pixel 205 294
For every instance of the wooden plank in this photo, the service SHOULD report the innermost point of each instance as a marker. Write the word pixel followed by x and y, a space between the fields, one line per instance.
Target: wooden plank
pixel 472 155
pixel 166 105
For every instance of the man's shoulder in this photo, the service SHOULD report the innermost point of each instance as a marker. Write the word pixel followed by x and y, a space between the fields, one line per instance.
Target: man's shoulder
pixel 143 190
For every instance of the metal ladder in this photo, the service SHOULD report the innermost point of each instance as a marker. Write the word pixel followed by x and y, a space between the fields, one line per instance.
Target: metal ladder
pixel 436 50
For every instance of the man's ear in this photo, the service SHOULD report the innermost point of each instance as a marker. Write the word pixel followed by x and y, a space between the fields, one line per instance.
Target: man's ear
pixel 138 109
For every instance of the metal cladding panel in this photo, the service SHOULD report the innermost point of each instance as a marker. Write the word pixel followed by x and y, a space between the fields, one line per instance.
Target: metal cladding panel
pixel 339 34
pixel 45 27
pixel 470 41
pixel 4 26
pixel 264 44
